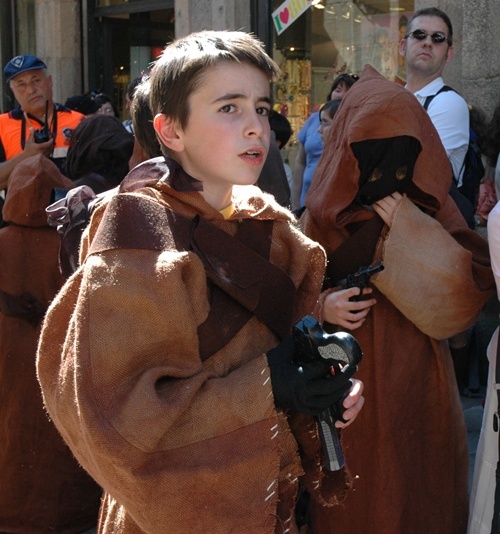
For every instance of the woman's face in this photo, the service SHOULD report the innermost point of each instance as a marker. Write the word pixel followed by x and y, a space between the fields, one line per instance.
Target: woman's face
pixel 339 92
pixel 325 123
pixel 106 109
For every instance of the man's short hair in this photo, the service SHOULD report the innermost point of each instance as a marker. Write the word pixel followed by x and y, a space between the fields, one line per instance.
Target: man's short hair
pixel 178 72
pixel 434 12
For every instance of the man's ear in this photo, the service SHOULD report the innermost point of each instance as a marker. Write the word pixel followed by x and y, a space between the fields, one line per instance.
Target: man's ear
pixel 450 54
pixel 402 47
pixel 168 131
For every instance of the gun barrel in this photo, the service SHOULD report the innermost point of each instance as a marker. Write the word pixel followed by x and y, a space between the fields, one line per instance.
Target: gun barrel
pixel 361 277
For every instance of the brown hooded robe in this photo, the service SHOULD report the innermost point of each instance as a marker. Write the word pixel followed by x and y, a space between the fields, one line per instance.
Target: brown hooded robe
pixel 165 403
pixel 408 447
pixel 43 489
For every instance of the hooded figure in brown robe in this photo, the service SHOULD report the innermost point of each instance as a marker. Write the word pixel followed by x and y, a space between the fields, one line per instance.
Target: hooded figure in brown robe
pixel 409 450
pixel 43 487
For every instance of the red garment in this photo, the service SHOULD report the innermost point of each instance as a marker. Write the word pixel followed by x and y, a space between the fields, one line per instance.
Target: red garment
pixel 408 446
pixel 43 488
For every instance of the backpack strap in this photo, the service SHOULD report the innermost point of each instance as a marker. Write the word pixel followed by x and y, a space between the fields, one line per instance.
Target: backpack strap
pixel 237 265
pixel 430 98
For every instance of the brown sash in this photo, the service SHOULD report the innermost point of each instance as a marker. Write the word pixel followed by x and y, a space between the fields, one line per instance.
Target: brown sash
pixel 242 280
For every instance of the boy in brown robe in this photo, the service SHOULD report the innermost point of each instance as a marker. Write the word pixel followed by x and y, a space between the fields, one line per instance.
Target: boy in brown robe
pixel 381 194
pixel 166 360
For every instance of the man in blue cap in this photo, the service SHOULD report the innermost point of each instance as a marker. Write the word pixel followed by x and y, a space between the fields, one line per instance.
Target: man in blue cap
pixel 37 125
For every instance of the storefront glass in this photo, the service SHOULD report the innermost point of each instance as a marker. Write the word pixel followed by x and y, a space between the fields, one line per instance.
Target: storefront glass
pixel 331 37
pixel 131 37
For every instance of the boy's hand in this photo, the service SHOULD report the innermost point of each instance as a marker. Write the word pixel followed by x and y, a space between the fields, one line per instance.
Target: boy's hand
pixel 352 403
pixel 309 388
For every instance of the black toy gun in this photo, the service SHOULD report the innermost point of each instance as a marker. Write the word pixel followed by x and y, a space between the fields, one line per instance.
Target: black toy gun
pixel 43 135
pixel 360 278
pixel 343 352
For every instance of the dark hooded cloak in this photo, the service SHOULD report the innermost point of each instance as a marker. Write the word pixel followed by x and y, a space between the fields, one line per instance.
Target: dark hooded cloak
pixel 408 446
pixel 43 487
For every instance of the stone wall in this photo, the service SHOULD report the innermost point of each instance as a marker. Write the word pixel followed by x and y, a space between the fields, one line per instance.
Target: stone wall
pixel 197 15
pixel 58 43
pixel 475 69
pixel 52 29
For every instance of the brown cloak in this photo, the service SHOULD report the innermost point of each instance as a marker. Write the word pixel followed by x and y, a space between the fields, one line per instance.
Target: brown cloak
pixel 182 441
pixel 408 446
pixel 43 488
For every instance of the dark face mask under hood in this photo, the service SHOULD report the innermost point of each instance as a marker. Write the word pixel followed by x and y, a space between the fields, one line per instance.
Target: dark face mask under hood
pixel 385 166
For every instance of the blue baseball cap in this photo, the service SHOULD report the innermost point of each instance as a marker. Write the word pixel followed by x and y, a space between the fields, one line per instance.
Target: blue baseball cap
pixel 20 64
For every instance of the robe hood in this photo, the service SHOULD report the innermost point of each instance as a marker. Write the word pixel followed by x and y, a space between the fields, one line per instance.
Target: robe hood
pixel 29 191
pixel 379 114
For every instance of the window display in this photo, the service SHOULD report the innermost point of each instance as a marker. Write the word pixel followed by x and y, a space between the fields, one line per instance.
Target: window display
pixel 330 38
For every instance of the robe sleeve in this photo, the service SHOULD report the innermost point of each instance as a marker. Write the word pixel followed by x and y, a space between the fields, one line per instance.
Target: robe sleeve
pixel 436 271
pixel 123 381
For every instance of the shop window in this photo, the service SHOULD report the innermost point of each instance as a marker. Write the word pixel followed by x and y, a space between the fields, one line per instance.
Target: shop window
pixel 332 37
pixel 130 38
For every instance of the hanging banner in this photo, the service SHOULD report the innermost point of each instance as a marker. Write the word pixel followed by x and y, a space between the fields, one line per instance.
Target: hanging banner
pixel 289 12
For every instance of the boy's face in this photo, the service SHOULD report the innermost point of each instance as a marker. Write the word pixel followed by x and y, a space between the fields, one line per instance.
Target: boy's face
pixel 226 139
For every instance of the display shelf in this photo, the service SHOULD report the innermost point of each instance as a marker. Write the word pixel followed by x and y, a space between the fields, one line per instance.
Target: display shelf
pixel 292 92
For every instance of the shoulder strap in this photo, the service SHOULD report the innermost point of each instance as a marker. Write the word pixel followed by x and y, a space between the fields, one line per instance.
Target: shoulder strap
pixel 238 265
pixel 430 98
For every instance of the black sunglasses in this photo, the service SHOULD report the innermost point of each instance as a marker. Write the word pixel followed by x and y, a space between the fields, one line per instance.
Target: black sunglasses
pixel 345 75
pixel 437 37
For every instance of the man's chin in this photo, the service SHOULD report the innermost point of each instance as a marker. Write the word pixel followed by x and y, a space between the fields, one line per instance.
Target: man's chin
pixel 36 106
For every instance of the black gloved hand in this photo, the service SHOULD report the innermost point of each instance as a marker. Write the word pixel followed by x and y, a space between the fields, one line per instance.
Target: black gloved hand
pixel 309 388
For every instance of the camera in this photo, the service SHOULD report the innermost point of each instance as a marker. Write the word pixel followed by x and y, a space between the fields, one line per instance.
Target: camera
pixel 343 352
pixel 42 135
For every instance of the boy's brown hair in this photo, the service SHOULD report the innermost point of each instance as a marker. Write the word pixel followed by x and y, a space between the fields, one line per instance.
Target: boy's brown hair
pixel 178 71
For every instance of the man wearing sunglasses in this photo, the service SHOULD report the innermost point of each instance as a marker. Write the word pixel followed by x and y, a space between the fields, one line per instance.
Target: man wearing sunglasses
pixel 428 47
